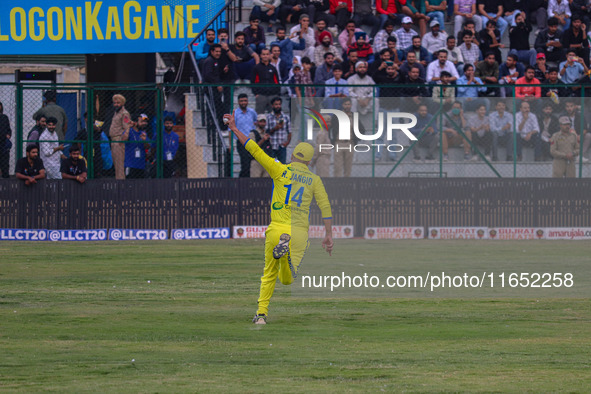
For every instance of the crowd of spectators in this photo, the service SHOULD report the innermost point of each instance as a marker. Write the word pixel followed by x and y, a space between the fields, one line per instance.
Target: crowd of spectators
pixel 326 49
pixel 125 146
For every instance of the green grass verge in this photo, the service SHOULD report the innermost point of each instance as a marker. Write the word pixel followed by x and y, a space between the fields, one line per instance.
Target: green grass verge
pixel 74 315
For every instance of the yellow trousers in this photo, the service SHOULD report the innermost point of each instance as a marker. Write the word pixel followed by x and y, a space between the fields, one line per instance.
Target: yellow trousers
pixel 286 268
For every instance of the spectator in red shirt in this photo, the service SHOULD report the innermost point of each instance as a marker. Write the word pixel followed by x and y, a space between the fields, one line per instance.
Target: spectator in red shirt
pixel 364 50
pixel 531 92
pixel 389 11
pixel 342 10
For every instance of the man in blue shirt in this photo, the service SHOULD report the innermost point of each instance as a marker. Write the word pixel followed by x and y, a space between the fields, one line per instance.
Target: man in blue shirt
pixel 573 69
pixel 170 146
pixel 135 149
pixel 202 50
pixel 287 45
pixel 245 119
pixel 469 96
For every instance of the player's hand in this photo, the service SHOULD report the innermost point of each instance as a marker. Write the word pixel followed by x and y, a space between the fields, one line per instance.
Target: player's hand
pixel 231 123
pixel 327 244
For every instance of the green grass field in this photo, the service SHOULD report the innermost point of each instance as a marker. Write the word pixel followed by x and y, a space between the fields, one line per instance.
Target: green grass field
pixel 74 315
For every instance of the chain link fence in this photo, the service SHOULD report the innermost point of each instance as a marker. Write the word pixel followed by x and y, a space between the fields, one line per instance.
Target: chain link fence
pixel 166 131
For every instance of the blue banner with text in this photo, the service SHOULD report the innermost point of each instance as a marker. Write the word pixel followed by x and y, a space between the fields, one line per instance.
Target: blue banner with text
pixel 34 27
pixel 137 235
pixel 201 233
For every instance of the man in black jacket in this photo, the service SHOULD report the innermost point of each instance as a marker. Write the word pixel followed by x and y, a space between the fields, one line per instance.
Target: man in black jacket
pixel 213 72
pixel 416 90
pixel 519 41
pixel 582 9
pixel 549 42
pixel 575 39
pixel 265 73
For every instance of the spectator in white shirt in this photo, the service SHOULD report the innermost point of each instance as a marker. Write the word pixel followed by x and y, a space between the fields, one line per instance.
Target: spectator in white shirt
pixel 528 131
pixel 51 151
pixel 560 9
pixel 307 34
pixel 435 39
pixel 441 64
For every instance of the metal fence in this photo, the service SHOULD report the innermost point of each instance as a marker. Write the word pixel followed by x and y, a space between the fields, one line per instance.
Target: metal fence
pixel 206 150
pixel 362 202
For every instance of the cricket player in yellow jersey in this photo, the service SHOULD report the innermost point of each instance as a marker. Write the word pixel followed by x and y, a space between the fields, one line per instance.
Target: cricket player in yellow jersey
pixel 286 239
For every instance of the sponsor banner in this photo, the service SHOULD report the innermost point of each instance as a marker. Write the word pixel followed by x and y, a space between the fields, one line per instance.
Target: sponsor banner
pixel 77 235
pixel 573 233
pixel 394 233
pixel 241 232
pixel 516 233
pixel 15 234
pixel 337 232
pixel 200 233
pixel 458 232
pixel 116 234
pixel 34 27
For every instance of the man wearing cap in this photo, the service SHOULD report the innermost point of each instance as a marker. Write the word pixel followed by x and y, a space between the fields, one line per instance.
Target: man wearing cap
pixel 405 33
pixel 305 31
pixel 435 10
pixel 364 97
pixel 435 39
pixel 286 239
pixel 135 150
pixel 118 131
pixel 261 137
pixel 541 68
pixel 364 50
pixel 578 124
pixel 564 148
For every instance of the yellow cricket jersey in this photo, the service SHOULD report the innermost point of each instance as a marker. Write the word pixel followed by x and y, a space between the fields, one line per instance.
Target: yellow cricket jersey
pixel 294 186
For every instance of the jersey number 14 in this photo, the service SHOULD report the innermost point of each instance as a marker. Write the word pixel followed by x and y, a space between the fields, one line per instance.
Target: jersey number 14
pixel 297 197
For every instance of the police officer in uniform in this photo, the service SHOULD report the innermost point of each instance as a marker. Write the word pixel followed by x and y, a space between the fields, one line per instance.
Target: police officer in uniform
pixel 119 131
pixel 564 148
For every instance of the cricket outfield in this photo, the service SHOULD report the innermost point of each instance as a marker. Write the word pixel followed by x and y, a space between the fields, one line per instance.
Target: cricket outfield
pixel 74 316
